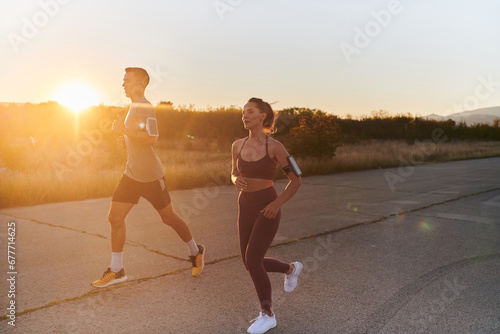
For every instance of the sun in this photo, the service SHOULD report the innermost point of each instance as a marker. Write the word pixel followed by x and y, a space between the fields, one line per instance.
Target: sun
pixel 77 96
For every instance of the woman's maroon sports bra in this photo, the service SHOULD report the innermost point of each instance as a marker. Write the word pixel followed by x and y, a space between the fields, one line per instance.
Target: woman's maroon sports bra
pixel 264 168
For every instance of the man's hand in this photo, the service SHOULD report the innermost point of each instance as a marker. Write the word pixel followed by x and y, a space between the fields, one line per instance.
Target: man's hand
pixel 118 125
pixel 120 141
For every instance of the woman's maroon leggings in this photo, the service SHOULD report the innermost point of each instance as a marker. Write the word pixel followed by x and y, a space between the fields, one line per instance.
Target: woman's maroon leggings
pixel 256 234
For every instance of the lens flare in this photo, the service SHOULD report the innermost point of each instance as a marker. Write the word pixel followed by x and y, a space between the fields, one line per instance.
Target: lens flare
pixel 424 225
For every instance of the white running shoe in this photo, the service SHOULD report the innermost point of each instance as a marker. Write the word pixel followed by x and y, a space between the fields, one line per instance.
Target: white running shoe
pixel 262 324
pixel 291 280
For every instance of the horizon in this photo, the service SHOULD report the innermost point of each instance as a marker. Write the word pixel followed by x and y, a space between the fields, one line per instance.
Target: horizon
pixel 344 58
pixel 370 114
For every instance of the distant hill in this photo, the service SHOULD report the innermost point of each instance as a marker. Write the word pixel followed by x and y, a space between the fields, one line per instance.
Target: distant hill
pixel 483 115
pixel 436 117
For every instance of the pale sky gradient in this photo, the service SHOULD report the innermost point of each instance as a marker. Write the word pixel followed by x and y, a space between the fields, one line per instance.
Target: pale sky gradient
pixel 430 56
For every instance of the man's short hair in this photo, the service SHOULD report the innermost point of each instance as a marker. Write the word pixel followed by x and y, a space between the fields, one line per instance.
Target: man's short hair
pixel 140 74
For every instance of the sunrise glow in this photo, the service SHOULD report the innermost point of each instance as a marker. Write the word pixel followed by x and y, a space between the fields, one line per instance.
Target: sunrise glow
pixel 77 96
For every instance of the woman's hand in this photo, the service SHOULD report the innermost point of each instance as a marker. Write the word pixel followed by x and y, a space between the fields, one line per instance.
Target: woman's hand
pixel 272 209
pixel 241 183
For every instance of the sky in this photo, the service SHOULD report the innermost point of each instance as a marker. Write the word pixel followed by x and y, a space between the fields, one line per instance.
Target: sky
pixel 346 57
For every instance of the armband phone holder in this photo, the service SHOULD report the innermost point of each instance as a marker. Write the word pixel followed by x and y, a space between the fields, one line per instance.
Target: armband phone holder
pixel 292 166
pixel 152 127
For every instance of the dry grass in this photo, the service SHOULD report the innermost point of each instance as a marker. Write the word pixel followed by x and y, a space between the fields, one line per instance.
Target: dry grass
pixel 97 174
pixel 190 169
pixel 394 153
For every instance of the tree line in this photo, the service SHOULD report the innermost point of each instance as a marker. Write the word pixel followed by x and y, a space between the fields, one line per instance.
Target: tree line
pixel 305 132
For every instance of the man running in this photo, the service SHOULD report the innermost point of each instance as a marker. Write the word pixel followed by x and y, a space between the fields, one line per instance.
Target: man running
pixel 143 177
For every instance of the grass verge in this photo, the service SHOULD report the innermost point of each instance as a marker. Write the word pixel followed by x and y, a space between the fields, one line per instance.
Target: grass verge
pixel 96 175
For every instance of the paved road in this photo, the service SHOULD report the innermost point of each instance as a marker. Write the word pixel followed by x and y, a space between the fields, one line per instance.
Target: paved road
pixel 414 250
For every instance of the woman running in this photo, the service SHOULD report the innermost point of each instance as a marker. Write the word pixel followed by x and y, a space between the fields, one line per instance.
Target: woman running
pixel 259 206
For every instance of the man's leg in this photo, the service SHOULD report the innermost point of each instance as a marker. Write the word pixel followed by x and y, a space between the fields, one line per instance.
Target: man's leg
pixel 170 218
pixel 116 217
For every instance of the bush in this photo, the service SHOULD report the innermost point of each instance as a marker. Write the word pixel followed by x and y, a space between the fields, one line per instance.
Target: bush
pixel 316 136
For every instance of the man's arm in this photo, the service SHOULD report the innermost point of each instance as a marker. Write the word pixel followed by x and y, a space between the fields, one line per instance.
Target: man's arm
pixel 139 135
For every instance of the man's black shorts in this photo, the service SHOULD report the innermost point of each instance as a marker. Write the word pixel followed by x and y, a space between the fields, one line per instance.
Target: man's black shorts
pixel 129 191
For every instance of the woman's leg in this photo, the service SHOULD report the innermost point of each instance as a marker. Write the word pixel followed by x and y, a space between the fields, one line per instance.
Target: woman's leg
pixel 261 237
pixel 246 220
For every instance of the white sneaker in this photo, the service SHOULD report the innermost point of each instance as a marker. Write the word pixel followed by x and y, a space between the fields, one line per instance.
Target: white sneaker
pixel 291 280
pixel 262 324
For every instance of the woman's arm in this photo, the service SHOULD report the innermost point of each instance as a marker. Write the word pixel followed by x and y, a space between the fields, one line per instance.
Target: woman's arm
pixel 236 178
pixel 280 154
